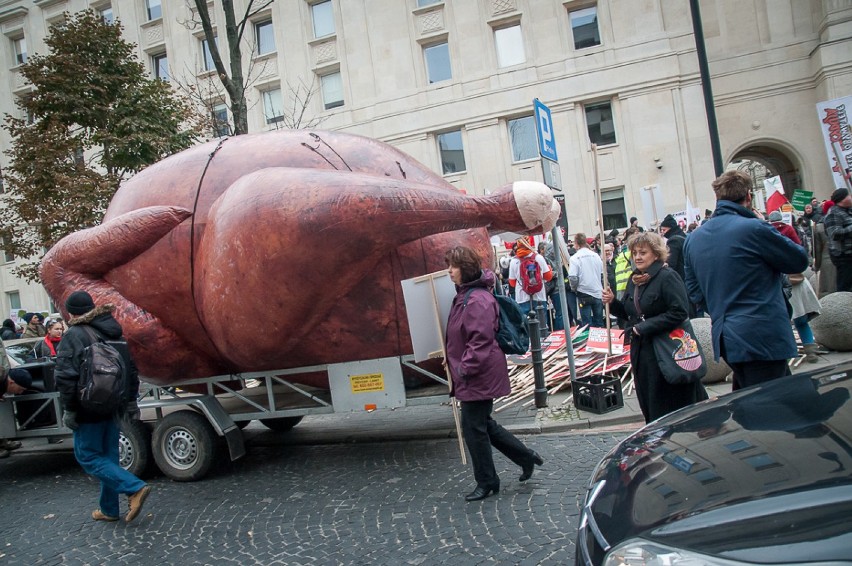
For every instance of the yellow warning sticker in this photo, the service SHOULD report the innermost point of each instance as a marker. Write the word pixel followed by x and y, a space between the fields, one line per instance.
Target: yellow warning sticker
pixel 367 383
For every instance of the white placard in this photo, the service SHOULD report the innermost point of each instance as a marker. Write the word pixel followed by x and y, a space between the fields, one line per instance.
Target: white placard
pixel 428 299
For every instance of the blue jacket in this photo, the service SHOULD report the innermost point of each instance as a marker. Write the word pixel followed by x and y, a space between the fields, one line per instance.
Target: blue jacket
pixel 733 266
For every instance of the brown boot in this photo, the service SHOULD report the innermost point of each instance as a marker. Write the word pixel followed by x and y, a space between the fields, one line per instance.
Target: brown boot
pixel 135 502
pixel 810 353
pixel 99 515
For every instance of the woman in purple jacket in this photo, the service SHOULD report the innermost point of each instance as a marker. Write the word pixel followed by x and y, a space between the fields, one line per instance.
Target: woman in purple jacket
pixel 479 372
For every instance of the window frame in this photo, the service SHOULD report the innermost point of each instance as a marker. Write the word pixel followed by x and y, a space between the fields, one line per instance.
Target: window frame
pixel 7 256
pixel 9 295
pixel 425 3
pixel 265 96
pixel 330 16
pixel 430 48
pixel 609 219
pixel 149 10
pixel 257 36
pixel 445 163
pixel 102 11
pixel 335 103
pixel 207 55
pixel 155 66
pixel 532 134
pixel 19 49
pixel 218 122
pixel 520 39
pixel 571 15
pixel 594 106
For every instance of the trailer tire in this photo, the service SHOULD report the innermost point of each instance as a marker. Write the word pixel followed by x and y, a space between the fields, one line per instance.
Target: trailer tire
pixel 281 424
pixel 134 447
pixel 184 445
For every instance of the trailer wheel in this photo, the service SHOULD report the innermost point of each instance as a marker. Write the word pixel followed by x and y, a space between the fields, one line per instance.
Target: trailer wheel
pixel 281 424
pixel 134 447
pixel 184 446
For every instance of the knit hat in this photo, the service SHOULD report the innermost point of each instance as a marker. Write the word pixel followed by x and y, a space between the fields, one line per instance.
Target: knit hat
pixel 9 323
pixel 668 222
pixel 839 195
pixel 79 302
pixel 775 216
pixel 524 242
pixel 30 315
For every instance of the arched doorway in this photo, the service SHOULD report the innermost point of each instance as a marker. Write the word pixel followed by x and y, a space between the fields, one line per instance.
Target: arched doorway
pixel 762 160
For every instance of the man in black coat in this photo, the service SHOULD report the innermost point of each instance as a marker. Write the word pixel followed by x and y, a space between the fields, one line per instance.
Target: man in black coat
pixel 96 435
pixel 675 238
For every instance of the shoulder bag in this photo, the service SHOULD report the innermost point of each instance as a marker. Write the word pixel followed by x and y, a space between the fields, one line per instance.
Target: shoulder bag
pixel 678 352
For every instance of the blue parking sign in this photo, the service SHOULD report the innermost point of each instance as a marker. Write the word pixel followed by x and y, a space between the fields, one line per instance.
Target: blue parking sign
pixel 544 128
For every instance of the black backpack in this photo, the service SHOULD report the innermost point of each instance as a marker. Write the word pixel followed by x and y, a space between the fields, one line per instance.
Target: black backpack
pixel 512 335
pixel 103 376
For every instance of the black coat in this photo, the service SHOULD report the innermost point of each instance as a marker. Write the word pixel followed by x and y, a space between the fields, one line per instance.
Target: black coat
pixel 664 306
pixel 70 357
pixel 675 239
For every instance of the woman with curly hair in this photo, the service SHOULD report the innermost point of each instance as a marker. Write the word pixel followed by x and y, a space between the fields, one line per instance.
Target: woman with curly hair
pixel 655 302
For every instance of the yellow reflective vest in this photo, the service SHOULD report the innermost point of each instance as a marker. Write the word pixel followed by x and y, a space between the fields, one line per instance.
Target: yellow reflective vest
pixel 623 269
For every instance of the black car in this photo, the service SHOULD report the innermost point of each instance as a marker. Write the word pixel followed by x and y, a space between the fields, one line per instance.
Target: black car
pixel 759 476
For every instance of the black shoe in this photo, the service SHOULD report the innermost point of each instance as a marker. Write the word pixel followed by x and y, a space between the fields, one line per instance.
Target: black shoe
pixel 481 493
pixel 527 470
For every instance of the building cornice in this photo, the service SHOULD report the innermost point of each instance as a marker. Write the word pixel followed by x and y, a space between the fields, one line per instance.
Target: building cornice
pixel 13 13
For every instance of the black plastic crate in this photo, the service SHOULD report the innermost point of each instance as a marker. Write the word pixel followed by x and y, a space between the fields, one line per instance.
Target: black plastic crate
pixel 597 393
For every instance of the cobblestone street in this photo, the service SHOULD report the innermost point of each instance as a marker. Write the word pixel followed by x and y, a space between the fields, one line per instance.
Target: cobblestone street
pixel 371 503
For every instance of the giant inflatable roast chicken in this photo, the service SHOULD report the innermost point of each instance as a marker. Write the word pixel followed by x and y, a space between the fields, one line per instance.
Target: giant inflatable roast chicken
pixel 277 250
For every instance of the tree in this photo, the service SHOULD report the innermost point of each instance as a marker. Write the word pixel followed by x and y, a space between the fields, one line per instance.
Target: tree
pixel 94 117
pixel 235 82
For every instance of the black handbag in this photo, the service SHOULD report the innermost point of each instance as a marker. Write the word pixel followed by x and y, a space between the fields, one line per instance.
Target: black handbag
pixel 679 355
pixel 677 351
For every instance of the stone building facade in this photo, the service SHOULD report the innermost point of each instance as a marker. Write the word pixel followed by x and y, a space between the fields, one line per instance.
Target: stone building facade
pixel 452 83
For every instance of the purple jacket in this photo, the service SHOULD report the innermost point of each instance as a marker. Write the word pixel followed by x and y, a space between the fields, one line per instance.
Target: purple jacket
pixel 477 364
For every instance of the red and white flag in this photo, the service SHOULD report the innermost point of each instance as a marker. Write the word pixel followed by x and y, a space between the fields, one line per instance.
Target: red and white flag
pixel 775 196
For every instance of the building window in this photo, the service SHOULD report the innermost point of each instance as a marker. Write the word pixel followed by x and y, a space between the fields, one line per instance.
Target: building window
pixel 523 137
pixel 438 62
pixel 323 17
pixel 221 126
pixel 332 90
pixel 600 123
pixel 19 46
pixel 207 57
pixel 264 35
pixel 154 9
pixel 510 46
pixel 14 300
pixel 7 256
pixel 273 106
pixel 106 15
pixel 160 64
pixel 614 211
pixel 452 152
pixel 422 3
pixel 584 27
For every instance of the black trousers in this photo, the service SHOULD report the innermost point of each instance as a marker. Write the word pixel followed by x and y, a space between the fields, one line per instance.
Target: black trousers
pixel 481 432
pixel 844 272
pixel 754 372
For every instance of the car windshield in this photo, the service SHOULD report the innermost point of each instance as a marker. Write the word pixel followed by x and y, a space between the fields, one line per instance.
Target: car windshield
pixel 21 351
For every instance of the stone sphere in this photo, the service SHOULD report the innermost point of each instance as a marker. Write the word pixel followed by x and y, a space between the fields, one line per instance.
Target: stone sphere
pixel 716 371
pixel 832 328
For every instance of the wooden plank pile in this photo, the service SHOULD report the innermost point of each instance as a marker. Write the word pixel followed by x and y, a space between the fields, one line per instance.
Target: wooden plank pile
pixel 589 359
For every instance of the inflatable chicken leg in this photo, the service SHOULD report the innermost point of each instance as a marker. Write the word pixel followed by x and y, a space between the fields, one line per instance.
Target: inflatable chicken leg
pixel 277 250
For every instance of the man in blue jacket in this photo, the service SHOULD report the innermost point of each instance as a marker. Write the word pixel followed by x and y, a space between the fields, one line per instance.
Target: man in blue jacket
pixel 733 266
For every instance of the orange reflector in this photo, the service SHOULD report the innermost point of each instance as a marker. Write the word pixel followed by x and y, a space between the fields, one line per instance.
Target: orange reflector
pixel 370 407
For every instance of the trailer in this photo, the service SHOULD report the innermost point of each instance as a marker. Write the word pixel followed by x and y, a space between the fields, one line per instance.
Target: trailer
pixel 183 426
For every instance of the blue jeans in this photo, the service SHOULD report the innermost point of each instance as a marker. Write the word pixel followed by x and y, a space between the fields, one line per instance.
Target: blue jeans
pixel 96 449
pixel 591 310
pixel 804 329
